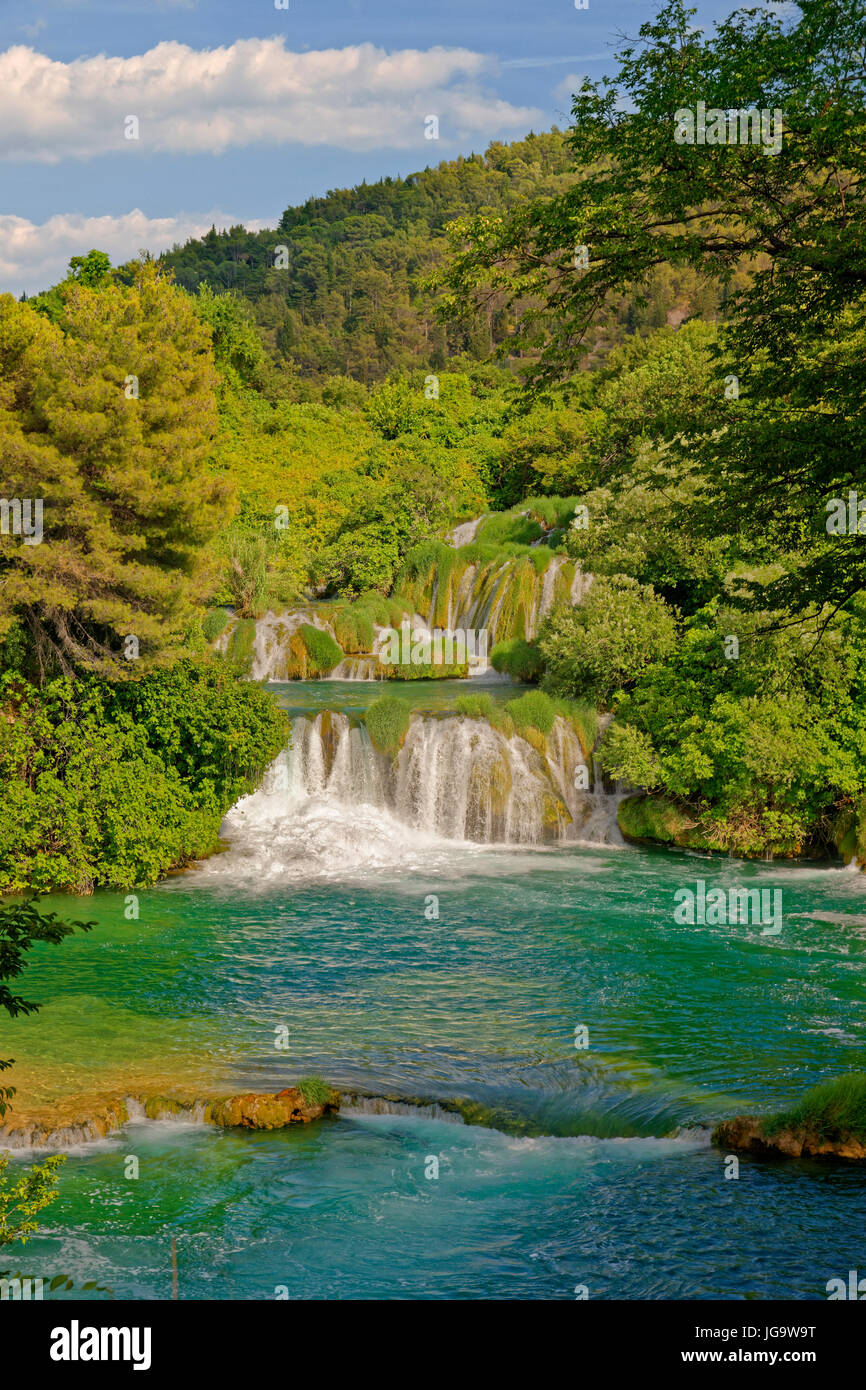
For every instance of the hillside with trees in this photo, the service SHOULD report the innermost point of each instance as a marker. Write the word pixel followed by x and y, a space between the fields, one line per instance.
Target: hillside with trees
pixel 341 287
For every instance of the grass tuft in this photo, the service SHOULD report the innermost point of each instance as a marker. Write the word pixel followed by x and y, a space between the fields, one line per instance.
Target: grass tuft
pixel 387 721
pixel 835 1110
pixel 314 1090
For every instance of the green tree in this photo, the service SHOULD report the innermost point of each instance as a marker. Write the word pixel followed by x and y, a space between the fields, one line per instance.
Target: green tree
pixel 106 418
pixel 92 270
pixel 780 220
pixel 237 343
pixel 604 645
pixel 758 742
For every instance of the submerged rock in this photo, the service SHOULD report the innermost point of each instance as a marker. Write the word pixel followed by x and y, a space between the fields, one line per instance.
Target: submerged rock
pixel 749 1134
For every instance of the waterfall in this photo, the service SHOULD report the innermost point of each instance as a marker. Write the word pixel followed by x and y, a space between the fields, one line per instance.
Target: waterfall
pixel 507 597
pixel 331 804
pixel 357 668
pixel 502 597
pixel 465 533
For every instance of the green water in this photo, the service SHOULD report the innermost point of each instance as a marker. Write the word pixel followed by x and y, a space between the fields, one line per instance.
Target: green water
pixel 353 697
pixel 585 1167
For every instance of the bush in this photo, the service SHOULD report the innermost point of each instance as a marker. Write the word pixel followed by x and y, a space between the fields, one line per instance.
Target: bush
pixel 314 1090
pixel 835 1110
pixel 418 671
pixel 534 710
pixel 583 719
pixel 519 659
pixel 322 652
pixel 239 649
pixel 628 755
pixel 606 643
pixel 501 528
pixel 213 623
pixel 353 628
pixel 111 786
pixel 387 721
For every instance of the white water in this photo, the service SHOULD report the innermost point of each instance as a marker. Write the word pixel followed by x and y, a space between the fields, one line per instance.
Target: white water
pixel 332 806
pixel 465 533
pixel 356 668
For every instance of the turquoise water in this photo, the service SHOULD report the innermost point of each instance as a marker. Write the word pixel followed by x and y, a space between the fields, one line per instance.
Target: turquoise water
pixel 353 697
pixel 584 1167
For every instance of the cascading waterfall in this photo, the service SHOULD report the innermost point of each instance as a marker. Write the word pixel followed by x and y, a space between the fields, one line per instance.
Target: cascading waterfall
pixel 507 598
pixel 332 803
pixel 501 598
pixel 357 668
pixel 465 533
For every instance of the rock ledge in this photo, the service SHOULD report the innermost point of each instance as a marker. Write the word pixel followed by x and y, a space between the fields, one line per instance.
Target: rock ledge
pixel 746 1133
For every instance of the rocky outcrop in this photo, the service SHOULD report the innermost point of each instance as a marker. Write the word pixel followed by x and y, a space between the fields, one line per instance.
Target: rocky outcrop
pixel 249 1111
pixel 41 1134
pixel 748 1134
pixel 289 1107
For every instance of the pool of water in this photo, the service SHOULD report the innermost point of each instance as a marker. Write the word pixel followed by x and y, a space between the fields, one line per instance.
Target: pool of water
pixel 452 980
pixel 354 697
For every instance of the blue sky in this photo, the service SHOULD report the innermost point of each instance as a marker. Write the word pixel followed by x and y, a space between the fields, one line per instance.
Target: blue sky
pixel 244 109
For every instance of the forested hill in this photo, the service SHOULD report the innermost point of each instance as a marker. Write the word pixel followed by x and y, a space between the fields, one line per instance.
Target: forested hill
pixel 351 300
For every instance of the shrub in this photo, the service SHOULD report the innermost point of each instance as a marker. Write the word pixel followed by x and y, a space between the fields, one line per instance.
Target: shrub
pixel 353 628
pixel 387 721
pixel 583 719
pixel 111 786
pixel 314 1090
pixel 418 671
pixel 475 706
pixel 322 652
pixel 519 659
pixel 605 644
pixel 213 623
pixel 240 644
pixel 376 607
pixel 628 754
pixel 835 1110
pixel 534 710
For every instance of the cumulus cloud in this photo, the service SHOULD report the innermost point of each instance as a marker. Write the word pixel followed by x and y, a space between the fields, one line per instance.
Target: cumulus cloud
pixel 34 256
pixel 254 91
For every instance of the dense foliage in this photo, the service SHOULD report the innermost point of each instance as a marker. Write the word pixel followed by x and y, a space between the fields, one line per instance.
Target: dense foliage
pixel 112 785
pixel 106 417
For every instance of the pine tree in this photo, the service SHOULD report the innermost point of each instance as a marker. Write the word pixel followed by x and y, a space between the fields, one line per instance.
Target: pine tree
pixel 106 417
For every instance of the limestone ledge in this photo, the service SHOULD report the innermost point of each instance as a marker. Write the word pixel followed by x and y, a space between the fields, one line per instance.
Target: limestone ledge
pixel 248 1111
pixel 746 1133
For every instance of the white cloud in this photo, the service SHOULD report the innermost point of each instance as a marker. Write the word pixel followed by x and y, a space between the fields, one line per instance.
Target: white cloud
pixel 34 256
pixel 254 92
pixel 554 62
pixel 565 90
